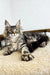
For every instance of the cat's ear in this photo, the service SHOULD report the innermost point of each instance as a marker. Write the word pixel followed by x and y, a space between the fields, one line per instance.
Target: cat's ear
pixel 18 25
pixel 7 25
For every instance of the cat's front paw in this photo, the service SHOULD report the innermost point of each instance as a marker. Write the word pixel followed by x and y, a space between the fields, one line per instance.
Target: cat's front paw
pixel 7 52
pixel 27 57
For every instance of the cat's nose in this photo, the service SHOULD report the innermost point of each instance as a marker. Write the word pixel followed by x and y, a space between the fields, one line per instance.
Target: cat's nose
pixel 14 32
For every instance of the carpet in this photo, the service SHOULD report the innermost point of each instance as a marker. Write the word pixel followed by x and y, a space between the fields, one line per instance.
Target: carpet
pixel 12 64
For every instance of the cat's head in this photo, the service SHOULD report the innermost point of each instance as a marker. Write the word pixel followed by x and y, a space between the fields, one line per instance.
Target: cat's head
pixel 12 30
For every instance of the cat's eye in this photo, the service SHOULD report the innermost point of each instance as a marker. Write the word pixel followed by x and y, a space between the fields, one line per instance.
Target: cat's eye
pixel 10 32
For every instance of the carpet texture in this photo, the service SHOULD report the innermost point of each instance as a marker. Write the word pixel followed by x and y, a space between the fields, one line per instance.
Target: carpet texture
pixel 12 64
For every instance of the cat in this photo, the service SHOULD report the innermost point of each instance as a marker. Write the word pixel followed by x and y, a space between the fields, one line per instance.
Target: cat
pixel 16 40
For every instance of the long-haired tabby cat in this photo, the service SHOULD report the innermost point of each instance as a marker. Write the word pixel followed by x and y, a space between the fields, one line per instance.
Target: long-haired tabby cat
pixel 16 40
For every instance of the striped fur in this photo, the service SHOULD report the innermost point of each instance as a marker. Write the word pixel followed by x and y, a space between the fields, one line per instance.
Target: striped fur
pixel 23 42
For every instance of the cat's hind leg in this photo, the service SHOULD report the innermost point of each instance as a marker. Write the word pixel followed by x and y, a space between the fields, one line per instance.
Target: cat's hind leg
pixel 43 44
pixel 26 55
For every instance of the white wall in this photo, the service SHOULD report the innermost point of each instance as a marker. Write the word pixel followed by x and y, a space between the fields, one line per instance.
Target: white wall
pixel 34 14
pixel 5 13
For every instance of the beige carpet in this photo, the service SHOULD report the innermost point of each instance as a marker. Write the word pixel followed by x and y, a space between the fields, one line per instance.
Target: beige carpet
pixel 40 65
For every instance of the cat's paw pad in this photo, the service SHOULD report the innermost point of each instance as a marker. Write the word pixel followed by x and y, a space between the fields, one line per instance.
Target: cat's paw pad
pixel 27 57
